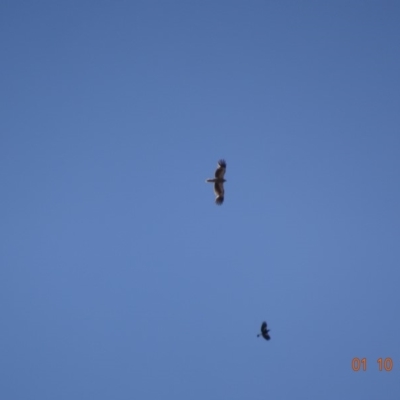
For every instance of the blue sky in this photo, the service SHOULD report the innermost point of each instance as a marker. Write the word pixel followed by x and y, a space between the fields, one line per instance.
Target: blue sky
pixel 119 276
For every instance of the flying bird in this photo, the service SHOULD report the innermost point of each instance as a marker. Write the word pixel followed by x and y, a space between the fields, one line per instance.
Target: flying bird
pixel 264 331
pixel 219 182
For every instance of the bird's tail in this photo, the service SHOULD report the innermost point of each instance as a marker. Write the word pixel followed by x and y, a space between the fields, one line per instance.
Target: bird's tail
pixel 210 180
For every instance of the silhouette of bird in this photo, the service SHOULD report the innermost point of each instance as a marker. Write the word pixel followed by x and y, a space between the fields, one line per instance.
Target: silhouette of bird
pixel 264 331
pixel 219 182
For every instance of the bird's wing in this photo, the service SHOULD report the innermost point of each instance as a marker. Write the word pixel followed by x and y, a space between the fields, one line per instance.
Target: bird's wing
pixel 219 192
pixel 266 336
pixel 263 326
pixel 220 171
pixel 219 189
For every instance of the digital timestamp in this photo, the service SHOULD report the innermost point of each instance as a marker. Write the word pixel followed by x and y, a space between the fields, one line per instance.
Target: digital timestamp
pixel 384 364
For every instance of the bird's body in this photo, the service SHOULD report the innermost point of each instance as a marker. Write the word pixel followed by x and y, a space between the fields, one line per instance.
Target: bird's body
pixel 264 331
pixel 219 182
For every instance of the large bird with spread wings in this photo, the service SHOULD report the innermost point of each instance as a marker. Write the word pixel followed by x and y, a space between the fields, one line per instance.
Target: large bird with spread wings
pixel 219 182
pixel 264 331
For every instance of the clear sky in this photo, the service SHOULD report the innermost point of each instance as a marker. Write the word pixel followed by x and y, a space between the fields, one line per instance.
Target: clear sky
pixel 119 276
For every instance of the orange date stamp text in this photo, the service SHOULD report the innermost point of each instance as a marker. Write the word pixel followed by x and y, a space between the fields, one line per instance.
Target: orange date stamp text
pixel 360 364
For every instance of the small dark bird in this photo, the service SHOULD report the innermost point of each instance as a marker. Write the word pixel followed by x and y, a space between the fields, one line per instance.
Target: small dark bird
pixel 264 331
pixel 219 182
